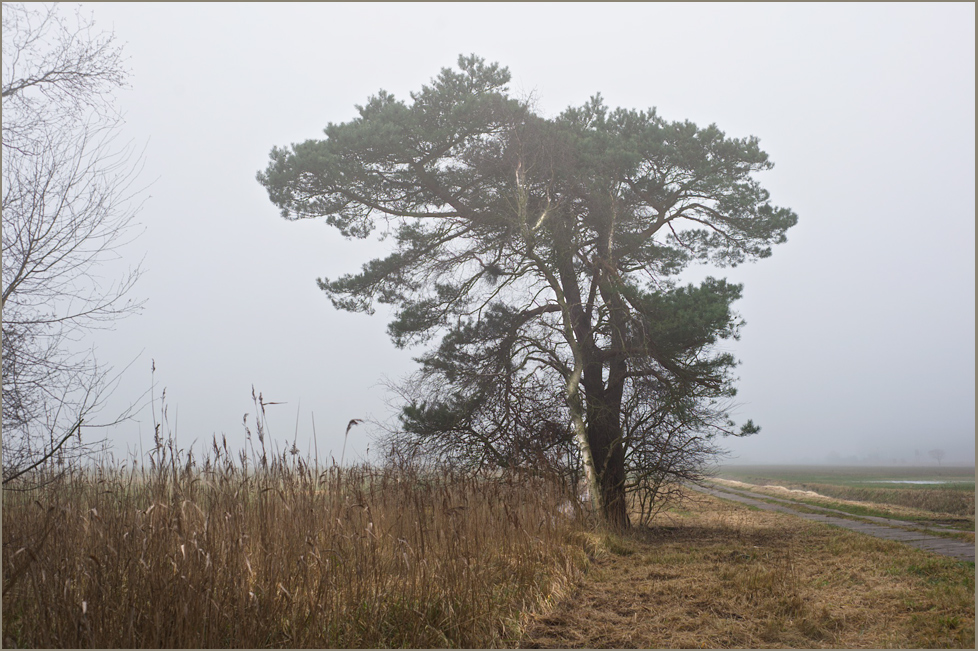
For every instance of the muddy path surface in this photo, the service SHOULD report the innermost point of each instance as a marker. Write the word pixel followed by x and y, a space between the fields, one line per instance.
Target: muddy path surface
pixel 886 528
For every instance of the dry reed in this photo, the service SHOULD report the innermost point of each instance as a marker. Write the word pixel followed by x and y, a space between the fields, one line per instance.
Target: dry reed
pixel 280 554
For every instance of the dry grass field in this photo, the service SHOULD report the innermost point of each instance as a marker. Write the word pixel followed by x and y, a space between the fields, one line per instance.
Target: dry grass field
pixel 282 557
pixel 721 575
pixel 205 553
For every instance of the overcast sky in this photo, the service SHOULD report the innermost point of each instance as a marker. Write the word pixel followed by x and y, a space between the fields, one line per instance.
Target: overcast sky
pixel 860 335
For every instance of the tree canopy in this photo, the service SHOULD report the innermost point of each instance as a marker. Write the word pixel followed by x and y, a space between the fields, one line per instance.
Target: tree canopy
pixel 544 252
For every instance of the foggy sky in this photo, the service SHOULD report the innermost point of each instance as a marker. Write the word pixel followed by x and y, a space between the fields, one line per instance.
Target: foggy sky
pixel 860 329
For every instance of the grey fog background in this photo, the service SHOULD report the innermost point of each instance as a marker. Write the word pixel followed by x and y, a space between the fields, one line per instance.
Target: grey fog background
pixel 860 335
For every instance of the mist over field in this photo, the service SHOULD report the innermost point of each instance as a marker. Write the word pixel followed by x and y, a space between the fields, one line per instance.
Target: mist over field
pixel 858 346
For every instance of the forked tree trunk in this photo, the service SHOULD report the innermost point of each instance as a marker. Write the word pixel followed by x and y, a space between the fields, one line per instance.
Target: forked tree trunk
pixel 597 431
pixel 575 404
pixel 605 442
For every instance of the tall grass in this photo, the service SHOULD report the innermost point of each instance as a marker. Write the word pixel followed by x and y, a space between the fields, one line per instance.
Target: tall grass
pixel 219 553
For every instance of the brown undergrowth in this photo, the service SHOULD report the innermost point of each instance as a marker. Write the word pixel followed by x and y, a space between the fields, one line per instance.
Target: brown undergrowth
pixel 212 555
pixel 719 575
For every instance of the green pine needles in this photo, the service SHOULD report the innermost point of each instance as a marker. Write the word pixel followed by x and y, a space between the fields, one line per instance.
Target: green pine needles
pixel 544 252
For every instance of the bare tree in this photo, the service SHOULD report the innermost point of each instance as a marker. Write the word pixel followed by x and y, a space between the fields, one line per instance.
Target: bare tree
pixel 672 439
pixel 937 455
pixel 68 206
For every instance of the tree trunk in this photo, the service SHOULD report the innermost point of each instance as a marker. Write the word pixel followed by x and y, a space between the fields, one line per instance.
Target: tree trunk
pixel 605 439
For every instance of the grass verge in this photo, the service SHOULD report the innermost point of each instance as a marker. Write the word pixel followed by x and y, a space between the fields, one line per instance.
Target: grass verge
pixel 719 575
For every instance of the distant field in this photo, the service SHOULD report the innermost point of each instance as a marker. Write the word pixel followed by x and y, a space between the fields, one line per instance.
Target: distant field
pixel 948 490
pixel 852 475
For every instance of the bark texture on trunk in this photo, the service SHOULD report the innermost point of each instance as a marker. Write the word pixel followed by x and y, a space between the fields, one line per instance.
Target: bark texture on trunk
pixel 605 439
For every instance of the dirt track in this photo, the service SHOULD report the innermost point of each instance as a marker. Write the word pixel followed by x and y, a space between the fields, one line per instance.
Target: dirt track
pixel 886 528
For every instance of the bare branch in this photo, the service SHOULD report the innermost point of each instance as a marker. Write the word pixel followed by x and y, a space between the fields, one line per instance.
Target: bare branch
pixel 68 207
